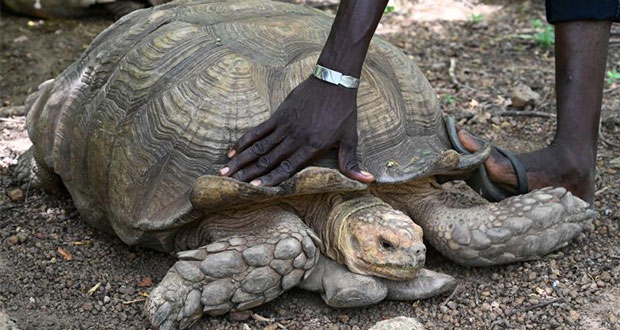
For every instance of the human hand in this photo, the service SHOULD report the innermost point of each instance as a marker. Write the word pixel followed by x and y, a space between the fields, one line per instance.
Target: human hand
pixel 314 117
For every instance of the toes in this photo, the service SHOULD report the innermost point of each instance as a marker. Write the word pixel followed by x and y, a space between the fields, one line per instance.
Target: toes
pixel 468 141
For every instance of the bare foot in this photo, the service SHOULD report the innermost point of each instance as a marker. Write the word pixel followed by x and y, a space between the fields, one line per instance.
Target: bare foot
pixel 550 166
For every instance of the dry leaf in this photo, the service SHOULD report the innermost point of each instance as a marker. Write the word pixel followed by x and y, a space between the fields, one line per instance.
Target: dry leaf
pixel 64 253
pixel 145 282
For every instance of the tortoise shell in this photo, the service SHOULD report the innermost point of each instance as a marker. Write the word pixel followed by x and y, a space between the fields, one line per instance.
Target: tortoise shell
pixel 159 97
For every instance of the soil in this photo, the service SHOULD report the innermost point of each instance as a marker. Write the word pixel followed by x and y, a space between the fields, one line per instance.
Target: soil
pixel 58 273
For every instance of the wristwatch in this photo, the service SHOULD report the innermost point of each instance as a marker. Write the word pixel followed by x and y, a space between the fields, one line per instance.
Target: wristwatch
pixel 335 77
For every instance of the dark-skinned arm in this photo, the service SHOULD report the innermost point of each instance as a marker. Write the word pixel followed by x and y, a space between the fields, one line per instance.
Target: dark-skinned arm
pixel 316 115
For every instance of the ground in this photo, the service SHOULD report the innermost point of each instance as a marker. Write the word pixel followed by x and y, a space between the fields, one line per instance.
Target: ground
pixel 58 273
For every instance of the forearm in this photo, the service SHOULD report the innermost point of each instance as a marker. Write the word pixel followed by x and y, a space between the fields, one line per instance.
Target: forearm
pixel 348 41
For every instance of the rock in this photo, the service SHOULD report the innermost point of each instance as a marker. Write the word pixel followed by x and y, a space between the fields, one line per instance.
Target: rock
pixel 612 318
pixel 531 276
pixel 485 307
pixel 398 323
pixel 271 327
pixel 523 95
pixel 16 195
pixel 573 315
pixel 87 307
pixel 12 240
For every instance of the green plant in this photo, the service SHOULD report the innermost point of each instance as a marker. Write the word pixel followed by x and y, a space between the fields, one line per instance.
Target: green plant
pixel 448 99
pixel 544 34
pixel 476 18
pixel 613 76
pixel 391 6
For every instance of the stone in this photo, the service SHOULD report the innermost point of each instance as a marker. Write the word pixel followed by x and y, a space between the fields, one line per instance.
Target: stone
pixel 291 279
pixel 217 292
pixel 87 307
pixel 189 271
pixel 287 248
pixel 485 307
pixel 22 237
pixel 192 304
pixel 398 323
pixel 12 240
pixel 223 264
pixel 498 235
pixel 283 267
pixel 17 195
pixel 523 95
pixel 260 279
pixel 258 255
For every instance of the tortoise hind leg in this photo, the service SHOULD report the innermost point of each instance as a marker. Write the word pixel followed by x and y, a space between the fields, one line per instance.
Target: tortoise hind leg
pixel 33 174
pixel 235 272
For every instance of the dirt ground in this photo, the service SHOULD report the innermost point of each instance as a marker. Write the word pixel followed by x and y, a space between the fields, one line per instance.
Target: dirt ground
pixel 473 64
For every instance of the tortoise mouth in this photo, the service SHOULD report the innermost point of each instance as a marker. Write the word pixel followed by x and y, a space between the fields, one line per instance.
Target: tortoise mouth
pixel 392 271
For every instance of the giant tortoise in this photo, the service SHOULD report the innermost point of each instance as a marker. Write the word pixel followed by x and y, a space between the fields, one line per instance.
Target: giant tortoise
pixel 139 125
pixel 76 8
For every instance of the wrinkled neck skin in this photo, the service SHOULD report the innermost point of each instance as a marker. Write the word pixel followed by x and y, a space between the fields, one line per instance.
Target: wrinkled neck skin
pixel 424 193
pixel 326 215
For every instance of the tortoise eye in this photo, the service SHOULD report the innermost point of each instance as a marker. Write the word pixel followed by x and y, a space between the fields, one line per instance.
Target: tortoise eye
pixel 386 245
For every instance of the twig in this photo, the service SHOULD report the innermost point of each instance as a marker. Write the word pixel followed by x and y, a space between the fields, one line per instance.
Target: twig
pixel 452 73
pixel 515 113
pixel 535 306
pixel 451 295
pixel 10 207
pixel 604 139
pixel 611 89
pixel 600 191
pixel 134 301
pixel 261 318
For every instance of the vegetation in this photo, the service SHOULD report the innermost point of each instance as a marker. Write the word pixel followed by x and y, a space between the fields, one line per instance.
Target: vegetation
pixel 613 76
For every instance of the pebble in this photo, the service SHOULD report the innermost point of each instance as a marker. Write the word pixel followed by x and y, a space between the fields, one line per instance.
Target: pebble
pixel 612 318
pixel 239 315
pixel 398 323
pixel 12 240
pixel 531 276
pixel 17 195
pixel 485 307
pixel 523 95
pixel 87 307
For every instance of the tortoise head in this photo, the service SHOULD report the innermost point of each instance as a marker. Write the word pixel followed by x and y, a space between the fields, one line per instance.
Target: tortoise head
pixel 372 238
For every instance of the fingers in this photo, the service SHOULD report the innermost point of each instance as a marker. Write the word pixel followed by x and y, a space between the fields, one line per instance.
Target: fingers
pixel 347 160
pixel 252 153
pixel 267 162
pixel 252 136
pixel 287 168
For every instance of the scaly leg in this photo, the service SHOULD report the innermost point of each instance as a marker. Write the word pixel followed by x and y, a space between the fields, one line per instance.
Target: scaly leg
pixel 270 252
pixel 339 287
pixel 519 228
pixel 32 174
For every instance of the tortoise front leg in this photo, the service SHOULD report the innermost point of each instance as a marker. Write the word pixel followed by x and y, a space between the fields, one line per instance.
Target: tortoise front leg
pixel 270 252
pixel 340 287
pixel 520 228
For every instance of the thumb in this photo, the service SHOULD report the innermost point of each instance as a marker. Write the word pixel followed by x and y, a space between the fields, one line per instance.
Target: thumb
pixel 347 160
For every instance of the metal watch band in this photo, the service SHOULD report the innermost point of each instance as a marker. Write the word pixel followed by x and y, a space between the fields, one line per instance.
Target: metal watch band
pixel 335 77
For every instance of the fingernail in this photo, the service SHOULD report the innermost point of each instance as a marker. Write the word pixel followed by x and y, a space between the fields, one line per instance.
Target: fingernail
pixel 224 170
pixel 256 182
pixel 231 153
pixel 366 173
